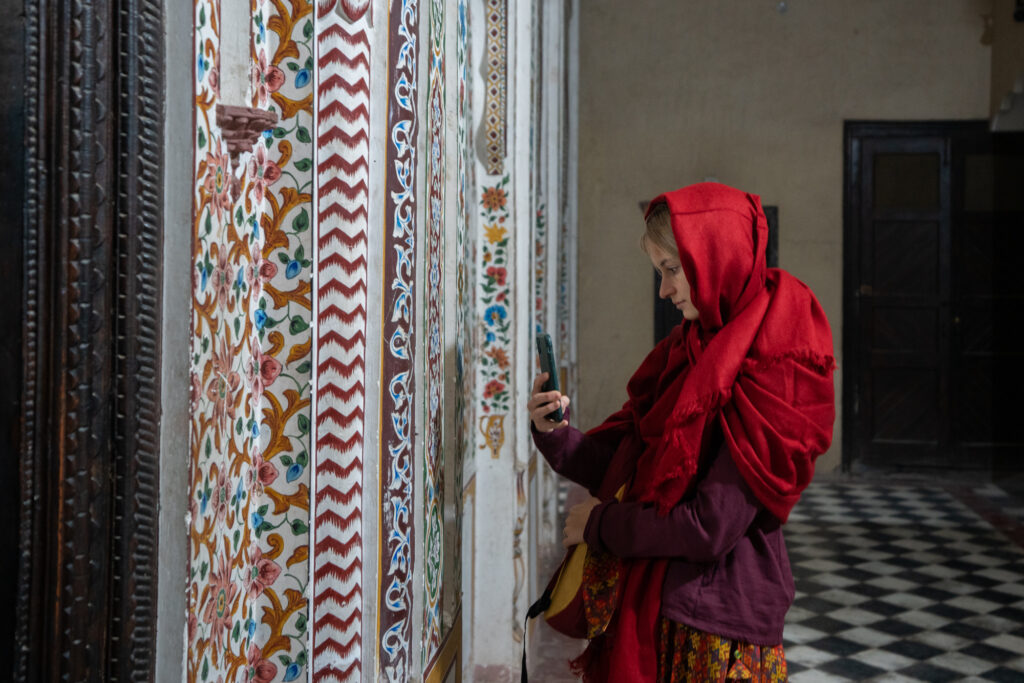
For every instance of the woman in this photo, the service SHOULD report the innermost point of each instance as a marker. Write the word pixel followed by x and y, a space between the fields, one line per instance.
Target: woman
pixel 687 577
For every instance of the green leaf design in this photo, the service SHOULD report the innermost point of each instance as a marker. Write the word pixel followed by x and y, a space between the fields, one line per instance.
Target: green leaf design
pixel 303 368
pixel 307 29
pixel 280 133
pixel 303 134
pixel 298 325
pixel 286 460
pixel 302 458
pixel 202 138
pixel 303 164
pixel 303 424
pixel 299 527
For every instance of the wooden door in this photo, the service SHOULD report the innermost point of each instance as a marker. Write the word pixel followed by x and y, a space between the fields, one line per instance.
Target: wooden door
pixel 923 230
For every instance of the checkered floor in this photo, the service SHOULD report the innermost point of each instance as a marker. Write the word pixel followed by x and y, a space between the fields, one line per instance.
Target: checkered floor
pixel 903 583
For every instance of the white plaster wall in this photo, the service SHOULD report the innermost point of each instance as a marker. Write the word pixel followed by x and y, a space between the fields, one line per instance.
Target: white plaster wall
pixel 174 381
pixel 673 92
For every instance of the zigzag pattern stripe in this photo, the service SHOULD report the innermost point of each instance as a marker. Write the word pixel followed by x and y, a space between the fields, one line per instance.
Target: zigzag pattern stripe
pixel 342 194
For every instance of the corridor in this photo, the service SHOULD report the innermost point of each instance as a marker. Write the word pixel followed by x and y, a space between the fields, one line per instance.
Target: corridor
pixel 906 579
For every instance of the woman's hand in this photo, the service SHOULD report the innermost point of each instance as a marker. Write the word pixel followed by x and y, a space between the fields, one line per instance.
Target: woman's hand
pixel 576 522
pixel 543 402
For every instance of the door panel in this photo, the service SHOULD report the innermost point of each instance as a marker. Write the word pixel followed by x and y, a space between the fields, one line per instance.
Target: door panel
pixel 934 230
pixel 903 295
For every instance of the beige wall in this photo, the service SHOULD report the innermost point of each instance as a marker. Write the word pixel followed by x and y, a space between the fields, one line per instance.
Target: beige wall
pixel 672 92
pixel 1007 51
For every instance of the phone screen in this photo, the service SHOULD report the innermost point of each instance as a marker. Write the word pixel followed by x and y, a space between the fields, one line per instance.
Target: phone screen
pixel 547 364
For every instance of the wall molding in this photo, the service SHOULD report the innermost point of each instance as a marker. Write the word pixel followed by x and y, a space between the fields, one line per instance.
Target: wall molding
pixel 90 418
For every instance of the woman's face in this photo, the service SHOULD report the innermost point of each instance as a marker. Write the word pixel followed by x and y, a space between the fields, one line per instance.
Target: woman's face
pixel 674 286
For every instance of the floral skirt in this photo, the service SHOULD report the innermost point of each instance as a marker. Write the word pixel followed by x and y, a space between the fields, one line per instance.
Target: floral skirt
pixel 686 655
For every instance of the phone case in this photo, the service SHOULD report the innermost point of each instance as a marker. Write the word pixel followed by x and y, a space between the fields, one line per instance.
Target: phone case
pixel 547 364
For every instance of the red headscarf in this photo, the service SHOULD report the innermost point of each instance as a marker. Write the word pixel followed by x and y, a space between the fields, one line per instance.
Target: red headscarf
pixel 759 360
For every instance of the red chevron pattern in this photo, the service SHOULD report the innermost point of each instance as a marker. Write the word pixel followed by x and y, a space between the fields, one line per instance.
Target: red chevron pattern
pixel 342 193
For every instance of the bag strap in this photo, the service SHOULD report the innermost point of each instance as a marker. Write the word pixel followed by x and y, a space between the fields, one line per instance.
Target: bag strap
pixel 535 610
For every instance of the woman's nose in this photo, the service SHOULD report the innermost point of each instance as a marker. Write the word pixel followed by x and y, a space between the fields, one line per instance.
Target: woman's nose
pixel 665 289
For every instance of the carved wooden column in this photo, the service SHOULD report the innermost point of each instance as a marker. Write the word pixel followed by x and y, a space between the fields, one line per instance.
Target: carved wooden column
pixel 90 412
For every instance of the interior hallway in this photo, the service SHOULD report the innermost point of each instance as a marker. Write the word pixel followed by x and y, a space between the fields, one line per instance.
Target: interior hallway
pixel 898 579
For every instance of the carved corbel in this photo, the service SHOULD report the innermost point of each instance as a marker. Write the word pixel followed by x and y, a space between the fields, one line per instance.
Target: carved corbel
pixel 241 127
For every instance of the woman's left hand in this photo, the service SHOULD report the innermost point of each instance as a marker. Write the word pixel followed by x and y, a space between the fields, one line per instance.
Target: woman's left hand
pixel 576 522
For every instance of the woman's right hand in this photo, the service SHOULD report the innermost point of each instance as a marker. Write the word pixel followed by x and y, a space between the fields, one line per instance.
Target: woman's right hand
pixel 542 403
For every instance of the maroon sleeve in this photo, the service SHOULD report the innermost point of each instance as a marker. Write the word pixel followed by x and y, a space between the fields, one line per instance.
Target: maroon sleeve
pixel 702 529
pixel 574 455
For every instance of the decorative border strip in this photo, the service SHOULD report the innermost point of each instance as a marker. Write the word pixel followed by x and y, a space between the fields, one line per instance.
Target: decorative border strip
pixel 464 292
pixel 397 372
pixel 342 196
pixel 495 101
pixel 433 466
pixel 540 264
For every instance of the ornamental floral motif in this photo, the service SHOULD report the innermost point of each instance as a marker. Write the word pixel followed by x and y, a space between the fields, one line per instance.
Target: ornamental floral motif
pixel 494 295
pixel 249 376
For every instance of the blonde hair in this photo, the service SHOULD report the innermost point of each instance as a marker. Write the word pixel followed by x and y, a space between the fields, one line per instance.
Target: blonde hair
pixel 659 230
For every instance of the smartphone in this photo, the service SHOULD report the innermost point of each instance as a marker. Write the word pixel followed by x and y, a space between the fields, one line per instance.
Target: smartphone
pixel 547 364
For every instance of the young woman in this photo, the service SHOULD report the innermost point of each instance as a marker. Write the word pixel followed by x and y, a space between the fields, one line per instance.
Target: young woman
pixel 687 577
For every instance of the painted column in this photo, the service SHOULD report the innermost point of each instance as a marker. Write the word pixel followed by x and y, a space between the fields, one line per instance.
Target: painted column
pixel 343 55
pixel 251 311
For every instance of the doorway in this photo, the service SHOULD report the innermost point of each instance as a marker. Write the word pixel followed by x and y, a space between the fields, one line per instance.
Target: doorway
pixel 933 216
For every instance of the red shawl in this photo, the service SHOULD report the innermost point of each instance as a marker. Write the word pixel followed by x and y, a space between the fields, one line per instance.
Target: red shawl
pixel 759 360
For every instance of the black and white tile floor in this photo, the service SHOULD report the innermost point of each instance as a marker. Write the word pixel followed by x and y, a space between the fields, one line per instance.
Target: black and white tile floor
pixel 897 580
pixel 905 582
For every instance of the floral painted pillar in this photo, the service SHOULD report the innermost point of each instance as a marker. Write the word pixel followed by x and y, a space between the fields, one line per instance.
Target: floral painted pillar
pixel 250 403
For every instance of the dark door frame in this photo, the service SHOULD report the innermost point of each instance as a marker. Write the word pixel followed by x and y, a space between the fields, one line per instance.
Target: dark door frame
pixel 90 408
pixel 853 133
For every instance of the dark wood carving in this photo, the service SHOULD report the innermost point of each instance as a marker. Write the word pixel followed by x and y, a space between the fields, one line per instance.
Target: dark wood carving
pixel 90 414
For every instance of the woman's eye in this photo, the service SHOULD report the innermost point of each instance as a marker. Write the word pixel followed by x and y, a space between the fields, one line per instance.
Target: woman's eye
pixel 674 270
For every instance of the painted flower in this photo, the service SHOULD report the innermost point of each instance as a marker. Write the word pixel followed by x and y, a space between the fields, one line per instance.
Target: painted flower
pixel 261 371
pixel 222 593
pixel 218 180
pixel 215 77
pixel 495 314
pixel 195 391
pixel 262 172
pixel 220 496
pixel 499 356
pixel 495 233
pixel 261 474
pixel 222 277
pixel 498 274
pixel 266 77
pixel 493 387
pixel 260 670
pixel 501 297
pixel 260 318
pixel 494 198
pixel 223 386
pixel 260 270
pixel 262 573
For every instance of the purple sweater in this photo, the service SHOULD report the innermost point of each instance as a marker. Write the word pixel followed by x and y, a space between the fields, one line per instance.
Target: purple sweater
pixel 728 570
